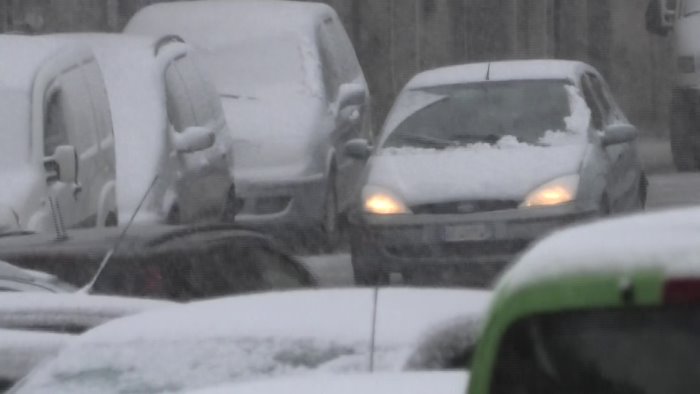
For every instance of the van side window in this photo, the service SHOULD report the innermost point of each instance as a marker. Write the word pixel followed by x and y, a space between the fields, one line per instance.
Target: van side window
pixel 192 98
pixel 329 69
pixel 74 105
pixel 180 111
pixel 98 94
pixel 55 133
pixel 599 91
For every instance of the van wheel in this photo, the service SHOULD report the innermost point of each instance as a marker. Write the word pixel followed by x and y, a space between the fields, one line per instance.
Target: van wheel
pixel 111 220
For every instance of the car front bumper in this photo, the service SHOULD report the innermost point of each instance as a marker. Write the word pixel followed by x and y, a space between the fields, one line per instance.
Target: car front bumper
pixel 479 245
pixel 281 205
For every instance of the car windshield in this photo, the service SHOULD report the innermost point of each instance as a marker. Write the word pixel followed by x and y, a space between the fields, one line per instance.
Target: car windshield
pixel 484 112
pixel 14 131
pixel 620 351
pixel 251 67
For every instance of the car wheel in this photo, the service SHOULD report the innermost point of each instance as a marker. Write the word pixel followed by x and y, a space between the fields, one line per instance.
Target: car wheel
pixel 684 157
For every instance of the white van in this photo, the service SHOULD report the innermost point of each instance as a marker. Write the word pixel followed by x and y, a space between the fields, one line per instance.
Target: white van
pixel 293 93
pixel 56 145
pixel 169 125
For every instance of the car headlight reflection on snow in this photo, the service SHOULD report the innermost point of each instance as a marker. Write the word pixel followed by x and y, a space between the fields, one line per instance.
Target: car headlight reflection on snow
pixel 557 192
pixel 382 202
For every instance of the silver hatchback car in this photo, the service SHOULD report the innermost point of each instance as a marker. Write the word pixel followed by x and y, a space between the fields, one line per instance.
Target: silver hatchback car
pixel 477 161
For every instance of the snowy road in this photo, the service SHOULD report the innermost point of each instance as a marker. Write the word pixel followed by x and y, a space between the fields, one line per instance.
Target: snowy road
pixel 666 191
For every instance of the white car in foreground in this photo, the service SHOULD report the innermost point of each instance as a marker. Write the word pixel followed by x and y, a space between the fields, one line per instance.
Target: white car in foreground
pixel 210 343
pixel 380 383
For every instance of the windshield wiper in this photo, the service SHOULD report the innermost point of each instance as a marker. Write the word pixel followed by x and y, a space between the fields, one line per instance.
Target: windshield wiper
pixel 425 140
pixel 489 138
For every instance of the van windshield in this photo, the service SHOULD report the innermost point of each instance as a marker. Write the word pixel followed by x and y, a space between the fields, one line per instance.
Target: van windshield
pixel 250 66
pixel 14 128
pixel 621 351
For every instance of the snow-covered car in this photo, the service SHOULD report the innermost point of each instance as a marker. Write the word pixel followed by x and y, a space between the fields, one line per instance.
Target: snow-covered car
pixel 476 161
pixel 33 327
pixel 211 343
pixel 180 263
pixel 22 351
pixel 169 124
pixel 293 92
pixel 56 144
pixel 369 383
pixel 610 307
pixel 13 278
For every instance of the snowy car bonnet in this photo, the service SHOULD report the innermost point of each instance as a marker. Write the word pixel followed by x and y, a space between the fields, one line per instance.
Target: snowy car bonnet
pixel 216 342
pixel 507 169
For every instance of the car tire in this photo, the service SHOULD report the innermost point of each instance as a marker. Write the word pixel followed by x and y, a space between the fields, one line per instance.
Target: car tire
pixel 684 157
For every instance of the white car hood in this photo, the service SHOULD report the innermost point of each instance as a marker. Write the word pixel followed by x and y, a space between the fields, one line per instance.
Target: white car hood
pixel 481 171
pixel 273 135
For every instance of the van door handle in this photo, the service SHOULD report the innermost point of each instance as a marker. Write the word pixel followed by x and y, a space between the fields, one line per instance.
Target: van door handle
pixel 77 189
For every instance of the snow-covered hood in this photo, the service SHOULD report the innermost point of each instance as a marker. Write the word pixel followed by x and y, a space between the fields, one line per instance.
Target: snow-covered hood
pixel 274 134
pixel 505 171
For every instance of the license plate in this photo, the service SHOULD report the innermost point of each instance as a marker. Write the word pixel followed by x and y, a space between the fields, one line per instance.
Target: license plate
pixel 467 232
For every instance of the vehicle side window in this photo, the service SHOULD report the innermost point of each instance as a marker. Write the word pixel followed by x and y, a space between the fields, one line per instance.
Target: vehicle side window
pixel 603 98
pixel 343 52
pixel 180 110
pixel 277 271
pixel 100 101
pixel 80 121
pixel 192 98
pixel 55 128
pixel 596 115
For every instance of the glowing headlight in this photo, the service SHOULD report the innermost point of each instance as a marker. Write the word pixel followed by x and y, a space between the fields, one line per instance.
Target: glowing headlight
pixel 382 202
pixel 559 191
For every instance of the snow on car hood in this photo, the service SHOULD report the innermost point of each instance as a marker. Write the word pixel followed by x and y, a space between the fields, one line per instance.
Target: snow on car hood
pixel 209 343
pixel 480 171
pixel 21 351
pixel 274 133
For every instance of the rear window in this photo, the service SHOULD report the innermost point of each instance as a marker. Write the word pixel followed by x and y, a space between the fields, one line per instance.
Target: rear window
pixel 621 351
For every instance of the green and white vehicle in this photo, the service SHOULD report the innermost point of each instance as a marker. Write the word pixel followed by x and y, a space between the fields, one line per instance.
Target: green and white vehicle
pixel 611 307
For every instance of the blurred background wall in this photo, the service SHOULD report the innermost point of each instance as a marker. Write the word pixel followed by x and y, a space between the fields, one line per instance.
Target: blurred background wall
pixel 397 38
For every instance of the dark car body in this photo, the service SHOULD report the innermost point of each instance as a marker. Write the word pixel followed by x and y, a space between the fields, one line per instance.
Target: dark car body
pixel 165 262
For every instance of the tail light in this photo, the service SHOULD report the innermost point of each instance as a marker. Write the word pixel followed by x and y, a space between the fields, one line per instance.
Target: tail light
pixel 682 291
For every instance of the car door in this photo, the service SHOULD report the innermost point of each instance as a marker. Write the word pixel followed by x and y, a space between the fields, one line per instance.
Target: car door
pixel 351 120
pixel 202 178
pixel 624 157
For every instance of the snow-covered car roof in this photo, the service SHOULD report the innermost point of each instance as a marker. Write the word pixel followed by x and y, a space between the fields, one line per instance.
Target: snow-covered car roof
pixel 381 383
pixel 67 312
pixel 500 71
pixel 665 242
pixel 218 22
pixel 221 341
pixel 21 351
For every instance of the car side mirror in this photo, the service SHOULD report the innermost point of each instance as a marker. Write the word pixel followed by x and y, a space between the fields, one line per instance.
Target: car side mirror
pixel 618 134
pixel 351 94
pixel 193 139
pixel 358 149
pixel 660 15
pixel 62 166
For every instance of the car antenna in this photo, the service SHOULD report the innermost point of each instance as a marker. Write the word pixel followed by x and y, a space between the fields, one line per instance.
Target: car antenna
pixel 105 260
pixel 373 338
pixel 58 223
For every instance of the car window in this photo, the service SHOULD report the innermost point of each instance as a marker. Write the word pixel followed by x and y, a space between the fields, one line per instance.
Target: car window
pixel 330 69
pixel 597 116
pixel 99 101
pixel 278 271
pixel 76 111
pixel 180 106
pixel 600 93
pixel 615 351
pixel 55 127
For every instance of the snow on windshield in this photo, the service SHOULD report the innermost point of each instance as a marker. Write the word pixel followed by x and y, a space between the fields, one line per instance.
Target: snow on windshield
pixel 252 66
pixel 15 130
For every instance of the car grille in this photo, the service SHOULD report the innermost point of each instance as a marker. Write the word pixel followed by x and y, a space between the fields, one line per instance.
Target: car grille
pixel 462 207
pixel 463 250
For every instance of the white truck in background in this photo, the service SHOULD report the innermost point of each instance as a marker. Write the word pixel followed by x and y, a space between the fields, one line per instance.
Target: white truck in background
pixel 681 19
